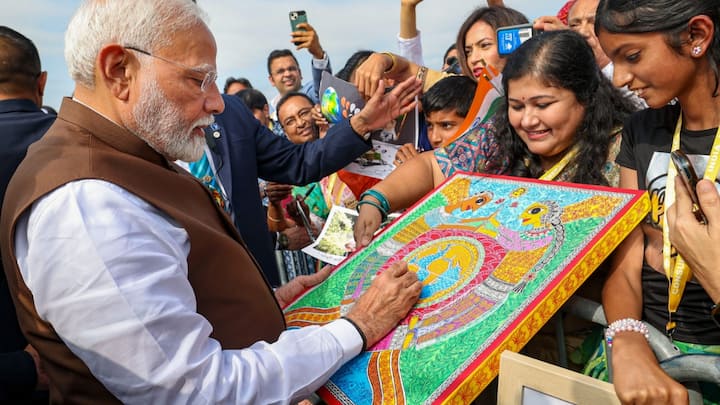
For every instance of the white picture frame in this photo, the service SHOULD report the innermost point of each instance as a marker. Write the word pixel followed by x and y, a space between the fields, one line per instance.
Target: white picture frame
pixel 527 381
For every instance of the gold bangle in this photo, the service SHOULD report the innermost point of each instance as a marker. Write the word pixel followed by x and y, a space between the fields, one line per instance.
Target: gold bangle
pixel 273 219
pixel 392 65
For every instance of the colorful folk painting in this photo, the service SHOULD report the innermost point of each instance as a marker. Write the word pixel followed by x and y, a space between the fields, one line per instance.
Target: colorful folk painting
pixel 497 257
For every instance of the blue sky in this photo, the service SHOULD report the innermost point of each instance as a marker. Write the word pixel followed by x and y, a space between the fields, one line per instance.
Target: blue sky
pixel 247 30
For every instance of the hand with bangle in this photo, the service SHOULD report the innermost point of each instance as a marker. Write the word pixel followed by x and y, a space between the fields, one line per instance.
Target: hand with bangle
pixel 276 217
pixel 382 65
pixel 382 108
pixel 276 193
pixel 373 208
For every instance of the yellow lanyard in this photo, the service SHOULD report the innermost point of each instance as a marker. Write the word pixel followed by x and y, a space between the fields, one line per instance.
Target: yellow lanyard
pixel 679 273
pixel 560 166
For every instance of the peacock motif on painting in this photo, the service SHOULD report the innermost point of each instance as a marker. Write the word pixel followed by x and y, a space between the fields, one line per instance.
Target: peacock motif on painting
pixel 484 249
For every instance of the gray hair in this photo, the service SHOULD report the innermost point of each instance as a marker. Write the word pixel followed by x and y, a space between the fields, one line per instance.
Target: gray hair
pixel 145 24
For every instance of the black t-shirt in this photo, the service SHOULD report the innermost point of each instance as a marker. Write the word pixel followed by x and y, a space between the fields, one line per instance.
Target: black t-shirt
pixel 647 139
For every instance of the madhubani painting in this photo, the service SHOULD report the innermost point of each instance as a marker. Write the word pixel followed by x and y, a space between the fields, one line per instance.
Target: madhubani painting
pixel 497 257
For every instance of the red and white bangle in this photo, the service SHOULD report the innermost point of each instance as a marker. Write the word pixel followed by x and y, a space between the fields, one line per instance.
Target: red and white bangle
pixel 625 325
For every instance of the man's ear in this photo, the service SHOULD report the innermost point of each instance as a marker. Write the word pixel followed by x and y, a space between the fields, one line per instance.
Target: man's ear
pixel 116 69
pixel 41 82
pixel 270 79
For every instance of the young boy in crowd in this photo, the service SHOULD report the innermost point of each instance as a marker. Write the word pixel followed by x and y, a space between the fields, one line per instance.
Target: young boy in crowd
pixel 445 106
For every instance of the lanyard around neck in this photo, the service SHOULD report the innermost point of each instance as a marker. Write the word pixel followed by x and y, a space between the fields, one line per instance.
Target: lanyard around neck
pixel 560 166
pixel 679 273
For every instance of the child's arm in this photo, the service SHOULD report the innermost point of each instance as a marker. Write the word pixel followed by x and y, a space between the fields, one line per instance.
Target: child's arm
pixel 402 188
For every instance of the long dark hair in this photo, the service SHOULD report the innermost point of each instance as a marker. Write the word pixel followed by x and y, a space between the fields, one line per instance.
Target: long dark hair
pixel 495 17
pixel 669 17
pixel 563 59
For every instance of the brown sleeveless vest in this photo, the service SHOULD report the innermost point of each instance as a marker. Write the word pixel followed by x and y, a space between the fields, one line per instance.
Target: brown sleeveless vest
pixel 230 290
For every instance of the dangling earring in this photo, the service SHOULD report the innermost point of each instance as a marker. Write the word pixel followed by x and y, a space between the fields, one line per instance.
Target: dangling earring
pixel 696 50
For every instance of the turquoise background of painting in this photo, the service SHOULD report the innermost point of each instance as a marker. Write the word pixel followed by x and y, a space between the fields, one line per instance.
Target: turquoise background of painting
pixel 426 369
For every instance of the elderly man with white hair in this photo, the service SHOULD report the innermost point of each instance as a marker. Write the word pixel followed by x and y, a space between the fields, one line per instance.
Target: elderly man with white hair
pixel 131 283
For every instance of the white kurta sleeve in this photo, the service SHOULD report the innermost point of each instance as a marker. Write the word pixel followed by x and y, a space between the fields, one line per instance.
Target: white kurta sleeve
pixel 109 272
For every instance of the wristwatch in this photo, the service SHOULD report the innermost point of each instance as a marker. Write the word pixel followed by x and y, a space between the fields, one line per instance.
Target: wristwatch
pixel 715 314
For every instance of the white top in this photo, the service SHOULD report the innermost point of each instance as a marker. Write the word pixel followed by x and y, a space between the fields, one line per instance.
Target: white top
pixel 411 49
pixel 109 272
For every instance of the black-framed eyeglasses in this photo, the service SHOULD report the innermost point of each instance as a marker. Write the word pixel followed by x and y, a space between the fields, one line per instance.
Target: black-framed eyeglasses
pixel 207 81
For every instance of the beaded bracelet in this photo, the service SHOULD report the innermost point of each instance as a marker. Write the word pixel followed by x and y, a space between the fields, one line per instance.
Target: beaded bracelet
pixel 383 213
pixel 378 196
pixel 362 335
pixel 625 325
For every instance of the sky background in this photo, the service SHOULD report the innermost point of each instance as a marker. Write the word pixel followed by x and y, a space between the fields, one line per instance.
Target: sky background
pixel 247 30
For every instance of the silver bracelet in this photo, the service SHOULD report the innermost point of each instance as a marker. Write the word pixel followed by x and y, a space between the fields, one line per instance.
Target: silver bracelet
pixel 625 325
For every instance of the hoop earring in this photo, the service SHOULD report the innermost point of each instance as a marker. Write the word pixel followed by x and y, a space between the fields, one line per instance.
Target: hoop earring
pixel 696 50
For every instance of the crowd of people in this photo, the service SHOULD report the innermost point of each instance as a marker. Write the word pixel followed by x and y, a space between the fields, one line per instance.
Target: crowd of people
pixel 151 229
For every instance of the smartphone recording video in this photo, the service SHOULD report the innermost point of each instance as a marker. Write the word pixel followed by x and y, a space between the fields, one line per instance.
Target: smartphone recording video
pixel 510 38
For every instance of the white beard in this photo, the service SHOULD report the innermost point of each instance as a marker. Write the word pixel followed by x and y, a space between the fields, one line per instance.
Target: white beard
pixel 159 122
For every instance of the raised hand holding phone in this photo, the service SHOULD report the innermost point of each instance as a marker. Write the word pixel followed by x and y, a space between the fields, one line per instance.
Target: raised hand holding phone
pixel 304 36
